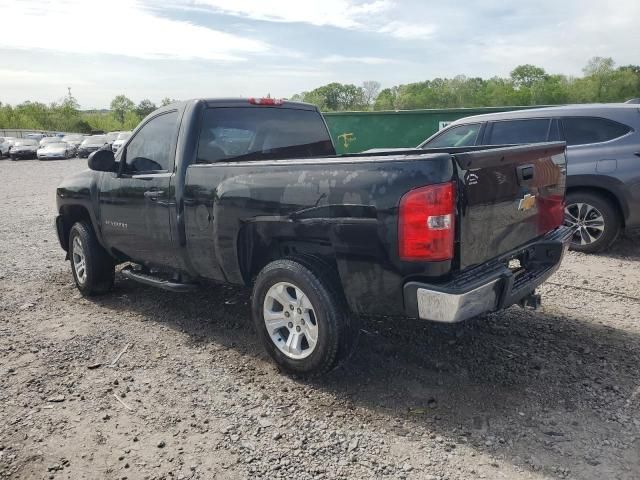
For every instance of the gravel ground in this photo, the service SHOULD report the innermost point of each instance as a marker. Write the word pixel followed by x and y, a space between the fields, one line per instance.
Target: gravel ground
pixel 516 395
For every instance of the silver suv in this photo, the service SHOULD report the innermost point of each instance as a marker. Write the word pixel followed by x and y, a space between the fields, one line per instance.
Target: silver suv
pixel 603 164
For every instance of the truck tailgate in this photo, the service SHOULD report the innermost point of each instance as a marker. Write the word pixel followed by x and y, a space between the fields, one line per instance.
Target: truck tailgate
pixel 508 196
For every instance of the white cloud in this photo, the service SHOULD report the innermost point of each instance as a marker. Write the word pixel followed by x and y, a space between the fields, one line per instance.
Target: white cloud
pixel 335 13
pixel 407 31
pixel 123 27
pixel 363 15
pixel 351 60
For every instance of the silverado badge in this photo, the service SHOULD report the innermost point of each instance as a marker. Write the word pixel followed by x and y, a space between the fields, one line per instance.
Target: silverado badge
pixel 527 202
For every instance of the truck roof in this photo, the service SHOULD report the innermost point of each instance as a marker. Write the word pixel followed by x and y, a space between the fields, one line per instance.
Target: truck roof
pixel 245 102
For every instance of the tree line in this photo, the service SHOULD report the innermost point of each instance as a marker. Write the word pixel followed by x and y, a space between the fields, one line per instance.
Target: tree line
pixel 66 116
pixel 526 85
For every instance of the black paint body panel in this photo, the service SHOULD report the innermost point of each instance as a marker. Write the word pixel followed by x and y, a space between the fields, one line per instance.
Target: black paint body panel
pixel 225 221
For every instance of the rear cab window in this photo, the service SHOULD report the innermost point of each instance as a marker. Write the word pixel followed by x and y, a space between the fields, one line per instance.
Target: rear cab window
pixel 587 130
pixel 261 133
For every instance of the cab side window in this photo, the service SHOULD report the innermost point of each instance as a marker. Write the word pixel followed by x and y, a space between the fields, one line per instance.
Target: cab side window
pixel 152 149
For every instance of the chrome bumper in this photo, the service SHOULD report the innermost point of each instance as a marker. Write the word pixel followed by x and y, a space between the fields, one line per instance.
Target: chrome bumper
pixel 491 286
pixel 452 308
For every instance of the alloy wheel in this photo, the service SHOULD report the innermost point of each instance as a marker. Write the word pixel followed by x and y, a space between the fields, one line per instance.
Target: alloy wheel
pixel 290 320
pixel 79 260
pixel 587 222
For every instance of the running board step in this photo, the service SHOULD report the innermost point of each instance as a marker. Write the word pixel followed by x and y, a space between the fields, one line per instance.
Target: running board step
pixel 152 281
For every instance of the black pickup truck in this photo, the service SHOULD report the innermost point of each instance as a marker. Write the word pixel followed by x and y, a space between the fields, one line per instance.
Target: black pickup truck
pixel 250 192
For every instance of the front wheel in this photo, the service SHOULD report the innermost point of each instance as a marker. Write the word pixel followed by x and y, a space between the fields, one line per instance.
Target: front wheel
pixel 92 267
pixel 301 319
pixel 594 219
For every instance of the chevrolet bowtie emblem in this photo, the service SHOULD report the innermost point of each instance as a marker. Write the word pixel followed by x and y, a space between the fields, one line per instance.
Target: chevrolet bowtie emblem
pixel 527 202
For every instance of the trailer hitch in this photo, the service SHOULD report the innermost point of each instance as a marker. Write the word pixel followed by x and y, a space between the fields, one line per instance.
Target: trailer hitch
pixel 531 301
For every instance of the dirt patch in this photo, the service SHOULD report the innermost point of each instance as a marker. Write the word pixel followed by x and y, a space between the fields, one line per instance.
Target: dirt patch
pixel 516 395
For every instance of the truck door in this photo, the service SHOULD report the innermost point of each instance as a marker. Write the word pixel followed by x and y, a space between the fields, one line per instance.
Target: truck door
pixel 135 202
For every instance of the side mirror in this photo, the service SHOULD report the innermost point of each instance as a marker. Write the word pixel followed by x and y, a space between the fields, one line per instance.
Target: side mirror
pixel 102 161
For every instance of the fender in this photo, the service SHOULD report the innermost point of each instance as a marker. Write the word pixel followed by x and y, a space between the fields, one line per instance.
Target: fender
pixel 76 192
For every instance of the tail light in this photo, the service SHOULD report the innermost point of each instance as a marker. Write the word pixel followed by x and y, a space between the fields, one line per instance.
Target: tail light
pixel 550 212
pixel 266 101
pixel 426 223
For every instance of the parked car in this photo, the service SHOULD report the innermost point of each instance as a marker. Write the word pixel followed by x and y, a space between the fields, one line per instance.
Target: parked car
pixel 55 151
pixel 5 145
pixel 74 139
pixel 120 140
pixel 46 140
pixel 91 144
pixel 35 136
pixel 603 168
pixel 112 137
pixel 23 148
pixel 250 192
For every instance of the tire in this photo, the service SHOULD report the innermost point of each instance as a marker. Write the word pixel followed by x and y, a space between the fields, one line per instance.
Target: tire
pixel 596 221
pixel 334 330
pixel 99 267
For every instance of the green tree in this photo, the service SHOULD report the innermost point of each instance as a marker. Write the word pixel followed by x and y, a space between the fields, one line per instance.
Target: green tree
pixel 598 73
pixel 527 75
pixel 167 101
pixel 335 97
pixel 370 90
pixel 386 99
pixel 105 122
pixel 120 105
pixel 145 107
pixel 131 120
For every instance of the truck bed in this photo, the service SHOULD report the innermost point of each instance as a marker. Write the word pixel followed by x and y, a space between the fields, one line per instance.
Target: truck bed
pixel 348 205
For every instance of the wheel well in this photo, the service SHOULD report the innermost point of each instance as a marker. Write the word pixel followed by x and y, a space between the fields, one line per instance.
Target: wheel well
pixel 604 193
pixel 71 214
pixel 254 256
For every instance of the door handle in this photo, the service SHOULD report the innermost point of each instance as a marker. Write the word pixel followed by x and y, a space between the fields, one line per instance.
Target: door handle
pixel 525 173
pixel 153 194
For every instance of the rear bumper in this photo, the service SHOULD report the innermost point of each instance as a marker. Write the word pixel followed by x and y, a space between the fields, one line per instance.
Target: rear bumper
pixel 23 154
pixel 491 286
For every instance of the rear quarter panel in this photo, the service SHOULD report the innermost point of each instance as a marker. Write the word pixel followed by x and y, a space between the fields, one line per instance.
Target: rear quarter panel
pixel 239 214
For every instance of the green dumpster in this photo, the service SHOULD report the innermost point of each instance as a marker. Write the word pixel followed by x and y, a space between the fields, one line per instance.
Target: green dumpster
pixel 357 131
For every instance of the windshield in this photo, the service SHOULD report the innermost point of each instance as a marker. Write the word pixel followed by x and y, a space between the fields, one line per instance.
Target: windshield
pixel 26 142
pixel 57 145
pixel 123 136
pixel 49 140
pixel 95 140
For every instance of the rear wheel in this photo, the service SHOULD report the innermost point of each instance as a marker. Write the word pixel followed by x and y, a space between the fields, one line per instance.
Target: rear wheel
pixel 301 319
pixel 595 221
pixel 92 267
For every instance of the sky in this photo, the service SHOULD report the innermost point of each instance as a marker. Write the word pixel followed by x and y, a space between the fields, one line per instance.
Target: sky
pixel 215 48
